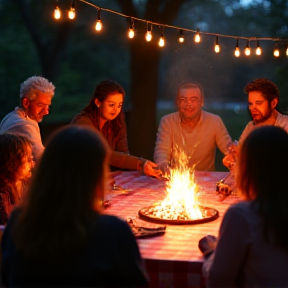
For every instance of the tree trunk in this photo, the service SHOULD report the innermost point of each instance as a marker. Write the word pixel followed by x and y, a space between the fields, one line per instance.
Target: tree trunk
pixel 144 86
pixel 145 56
pixel 50 50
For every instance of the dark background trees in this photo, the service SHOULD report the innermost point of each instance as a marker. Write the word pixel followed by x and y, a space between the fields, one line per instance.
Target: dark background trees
pixel 75 57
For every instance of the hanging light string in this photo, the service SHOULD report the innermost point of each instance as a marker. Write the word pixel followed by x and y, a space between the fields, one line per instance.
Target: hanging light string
pixel 181 30
pixel 185 29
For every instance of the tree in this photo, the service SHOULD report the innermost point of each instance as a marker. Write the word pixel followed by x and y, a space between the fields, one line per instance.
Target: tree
pixel 144 65
pixel 51 48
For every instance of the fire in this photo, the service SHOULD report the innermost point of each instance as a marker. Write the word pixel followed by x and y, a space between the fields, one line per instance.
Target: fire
pixel 181 199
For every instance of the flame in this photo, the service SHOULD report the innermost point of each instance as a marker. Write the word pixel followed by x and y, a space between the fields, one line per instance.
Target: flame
pixel 181 197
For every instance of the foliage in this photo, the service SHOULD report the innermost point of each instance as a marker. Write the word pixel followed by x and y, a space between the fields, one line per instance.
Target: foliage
pixel 76 58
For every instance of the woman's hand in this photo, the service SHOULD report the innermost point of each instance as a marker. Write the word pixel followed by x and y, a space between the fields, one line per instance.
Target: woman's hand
pixel 151 169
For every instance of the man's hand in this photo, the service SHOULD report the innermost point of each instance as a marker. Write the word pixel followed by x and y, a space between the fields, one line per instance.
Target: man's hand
pixel 151 169
pixel 207 245
pixel 230 159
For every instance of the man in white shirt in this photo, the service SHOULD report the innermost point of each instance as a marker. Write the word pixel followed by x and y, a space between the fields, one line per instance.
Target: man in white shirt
pixel 36 95
pixel 191 130
pixel 263 98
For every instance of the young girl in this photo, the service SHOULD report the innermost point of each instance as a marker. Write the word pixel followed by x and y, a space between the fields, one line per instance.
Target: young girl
pixel 16 162
pixel 105 114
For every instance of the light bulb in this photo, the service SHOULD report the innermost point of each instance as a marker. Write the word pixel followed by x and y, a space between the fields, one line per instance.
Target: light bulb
pixel 217 46
pixel 71 13
pixel 131 33
pixel 287 51
pixel 197 38
pixel 276 52
pixel 148 36
pixel 247 49
pixel 98 26
pixel 57 12
pixel 258 49
pixel 161 42
pixel 181 36
pixel 237 50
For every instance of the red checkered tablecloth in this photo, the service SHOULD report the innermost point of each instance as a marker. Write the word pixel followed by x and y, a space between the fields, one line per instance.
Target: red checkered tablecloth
pixel 173 259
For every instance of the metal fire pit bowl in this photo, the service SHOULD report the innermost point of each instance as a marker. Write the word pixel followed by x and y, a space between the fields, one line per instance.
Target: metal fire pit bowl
pixel 208 214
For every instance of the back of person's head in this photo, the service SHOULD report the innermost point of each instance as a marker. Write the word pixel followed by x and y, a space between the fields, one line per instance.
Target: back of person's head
pixel 67 187
pixel 13 149
pixel 268 89
pixel 32 85
pixel 261 175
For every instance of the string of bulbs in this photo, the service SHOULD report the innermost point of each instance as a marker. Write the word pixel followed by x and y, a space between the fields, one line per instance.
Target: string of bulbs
pixel 197 37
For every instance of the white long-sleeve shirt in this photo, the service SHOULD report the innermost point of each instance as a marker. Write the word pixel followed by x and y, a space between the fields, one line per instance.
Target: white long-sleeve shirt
pixel 199 144
pixel 17 122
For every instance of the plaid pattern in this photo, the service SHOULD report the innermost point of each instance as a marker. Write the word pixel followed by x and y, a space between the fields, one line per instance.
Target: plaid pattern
pixel 173 259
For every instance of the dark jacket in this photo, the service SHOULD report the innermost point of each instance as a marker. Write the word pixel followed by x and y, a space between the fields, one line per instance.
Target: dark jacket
pixel 109 257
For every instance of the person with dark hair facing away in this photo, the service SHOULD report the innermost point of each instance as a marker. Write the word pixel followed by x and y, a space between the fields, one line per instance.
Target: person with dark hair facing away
pixel 58 236
pixel 252 248
pixel 105 113
pixel 16 163
pixel 263 100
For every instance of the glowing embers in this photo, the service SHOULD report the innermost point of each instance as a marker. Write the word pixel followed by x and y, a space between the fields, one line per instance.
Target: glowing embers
pixel 180 204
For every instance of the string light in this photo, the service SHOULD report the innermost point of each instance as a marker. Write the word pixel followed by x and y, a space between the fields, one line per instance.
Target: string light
pixel 237 50
pixel 149 32
pixel 72 12
pixel 217 46
pixel 131 32
pixel 181 36
pixel 276 51
pixel 258 49
pixel 197 38
pixel 98 26
pixel 57 12
pixel 247 49
pixel 161 42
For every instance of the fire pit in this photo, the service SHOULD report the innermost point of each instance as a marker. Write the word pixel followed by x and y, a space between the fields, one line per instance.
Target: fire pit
pixel 163 215
pixel 180 205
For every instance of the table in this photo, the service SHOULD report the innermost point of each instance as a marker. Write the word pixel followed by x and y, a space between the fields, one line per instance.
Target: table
pixel 173 259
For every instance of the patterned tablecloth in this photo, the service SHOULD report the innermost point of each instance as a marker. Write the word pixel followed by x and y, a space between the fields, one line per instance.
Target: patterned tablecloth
pixel 173 259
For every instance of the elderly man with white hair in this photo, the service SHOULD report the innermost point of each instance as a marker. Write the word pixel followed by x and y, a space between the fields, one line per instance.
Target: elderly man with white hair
pixel 36 95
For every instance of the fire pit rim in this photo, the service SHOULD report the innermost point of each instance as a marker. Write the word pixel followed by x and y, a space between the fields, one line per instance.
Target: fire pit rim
pixel 178 222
